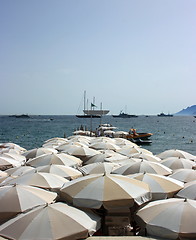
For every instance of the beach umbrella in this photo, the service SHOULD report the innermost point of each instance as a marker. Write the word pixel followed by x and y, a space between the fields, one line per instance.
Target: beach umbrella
pixel 147 156
pixel 98 167
pixel 54 142
pixel 129 151
pixel 38 152
pixel 184 175
pixel 7 162
pixel 55 158
pixel 176 153
pixel 15 199
pixel 107 190
pixel 143 166
pixel 70 144
pixel 82 152
pixel 104 146
pixel 39 179
pixel 11 147
pixel 178 162
pixel 100 157
pixel 122 142
pixel 17 171
pixel 189 191
pixel 64 171
pixel 171 218
pixel 161 186
pixel 52 221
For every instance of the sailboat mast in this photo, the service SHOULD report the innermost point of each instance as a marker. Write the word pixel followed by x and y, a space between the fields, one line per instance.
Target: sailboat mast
pixel 85 100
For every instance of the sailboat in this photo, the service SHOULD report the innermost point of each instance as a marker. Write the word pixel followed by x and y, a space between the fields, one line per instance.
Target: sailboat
pixel 92 112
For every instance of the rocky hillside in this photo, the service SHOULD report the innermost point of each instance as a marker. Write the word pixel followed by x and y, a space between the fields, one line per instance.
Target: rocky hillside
pixel 189 111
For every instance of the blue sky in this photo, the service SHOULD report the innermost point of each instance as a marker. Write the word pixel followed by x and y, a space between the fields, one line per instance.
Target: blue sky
pixel 139 55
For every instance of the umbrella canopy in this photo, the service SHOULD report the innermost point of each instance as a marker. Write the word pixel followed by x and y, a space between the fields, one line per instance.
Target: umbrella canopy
pixel 38 152
pixel 96 168
pixel 178 162
pixel 109 191
pixel 189 191
pixel 17 171
pixel 54 142
pixel 8 147
pixel 64 171
pixel 3 174
pixel 6 161
pixel 184 175
pixel 176 153
pixel 104 146
pixel 147 156
pixel 122 142
pixel 53 221
pixel 55 158
pixel 143 166
pixel 161 186
pixel 39 179
pixel 80 151
pixel 171 218
pixel 15 199
pixel 129 151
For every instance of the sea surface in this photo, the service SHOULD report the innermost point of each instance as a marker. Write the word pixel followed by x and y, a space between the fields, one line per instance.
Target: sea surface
pixel 178 132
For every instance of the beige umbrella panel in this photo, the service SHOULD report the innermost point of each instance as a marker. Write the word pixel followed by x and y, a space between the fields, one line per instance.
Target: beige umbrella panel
pixel 130 151
pixel 66 172
pixel 104 146
pixel 54 221
pixel 146 156
pixel 17 171
pixel 55 158
pixel 15 199
pixel 189 191
pixel 171 218
pixel 11 147
pixel 7 162
pixel 161 187
pixel 110 191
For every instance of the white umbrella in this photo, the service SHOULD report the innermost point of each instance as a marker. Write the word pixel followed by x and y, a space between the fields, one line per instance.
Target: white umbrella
pixel 109 191
pixel 161 186
pixel 171 218
pixel 105 146
pixel 178 162
pixel 8 162
pixel 129 151
pixel 55 158
pixel 98 167
pixel 38 152
pixel 53 221
pixel 176 153
pixel 147 156
pixel 143 166
pixel 39 179
pixel 184 175
pixel 15 199
pixel 17 171
pixel 189 191
pixel 11 147
pixel 61 170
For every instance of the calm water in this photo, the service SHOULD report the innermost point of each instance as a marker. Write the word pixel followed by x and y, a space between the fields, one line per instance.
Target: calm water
pixel 168 132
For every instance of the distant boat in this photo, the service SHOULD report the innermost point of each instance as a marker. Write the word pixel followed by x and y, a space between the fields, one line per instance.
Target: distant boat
pixel 92 112
pixel 20 116
pixel 124 115
pixel 164 115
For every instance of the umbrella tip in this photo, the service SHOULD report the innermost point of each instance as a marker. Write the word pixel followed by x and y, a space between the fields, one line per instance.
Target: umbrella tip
pixel 185 200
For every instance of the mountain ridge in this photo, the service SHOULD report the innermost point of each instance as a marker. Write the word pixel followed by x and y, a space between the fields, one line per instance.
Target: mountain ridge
pixel 189 111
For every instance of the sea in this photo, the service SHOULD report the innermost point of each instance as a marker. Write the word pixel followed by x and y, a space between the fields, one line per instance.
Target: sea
pixel 177 132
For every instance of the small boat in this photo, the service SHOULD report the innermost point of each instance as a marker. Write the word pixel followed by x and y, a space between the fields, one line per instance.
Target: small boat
pixel 92 112
pixel 139 138
pixel 164 115
pixel 124 115
pixel 20 116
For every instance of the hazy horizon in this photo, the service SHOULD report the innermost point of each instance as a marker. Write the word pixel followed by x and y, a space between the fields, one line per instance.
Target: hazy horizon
pixel 136 56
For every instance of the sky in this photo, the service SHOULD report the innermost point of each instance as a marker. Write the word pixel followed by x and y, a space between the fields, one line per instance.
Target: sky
pixel 133 55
